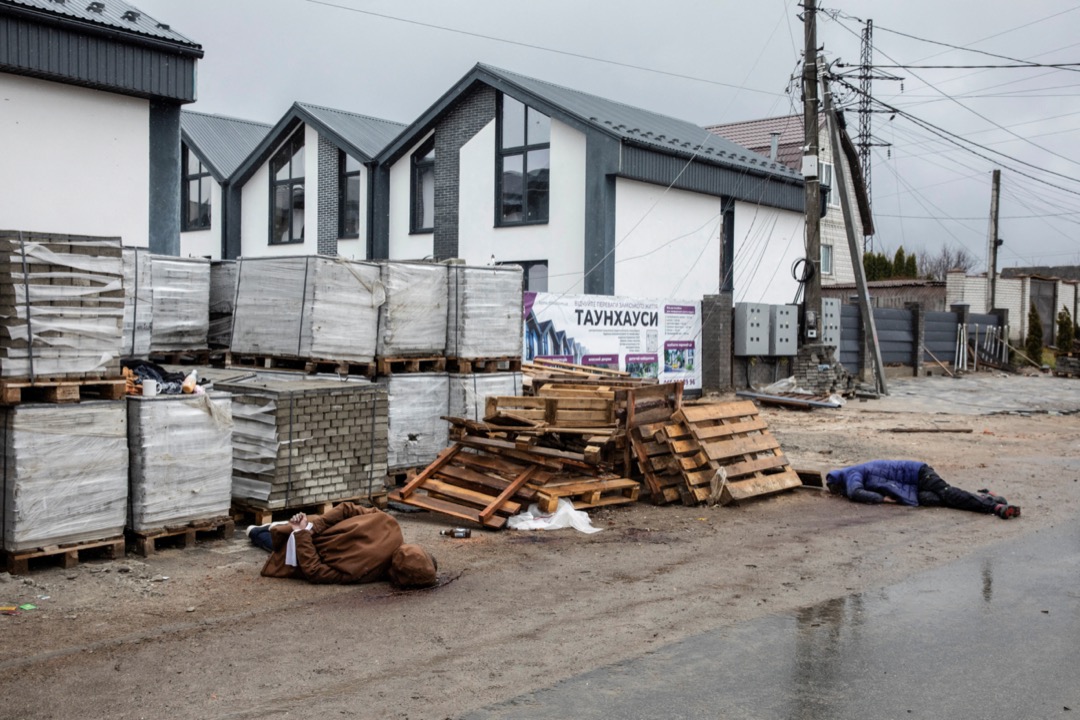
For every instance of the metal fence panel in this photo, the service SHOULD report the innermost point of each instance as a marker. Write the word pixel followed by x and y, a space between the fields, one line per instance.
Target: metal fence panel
pixel 940 336
pixel 850 334
pixel 895 336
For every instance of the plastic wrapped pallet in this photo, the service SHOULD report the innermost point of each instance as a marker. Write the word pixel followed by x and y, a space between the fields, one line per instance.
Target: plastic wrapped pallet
pixel 181 303
pixel 61 305
pixel 412 321
pixel 222 297
pixel 469 392
pixel 65 473
pixel 138 303
pixel 299 442
pixel 181 459
pixel 310 307
pixel 416 404
pixel 484 316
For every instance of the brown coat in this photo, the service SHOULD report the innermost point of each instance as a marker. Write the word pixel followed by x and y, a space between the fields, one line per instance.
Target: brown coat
pixel 349 544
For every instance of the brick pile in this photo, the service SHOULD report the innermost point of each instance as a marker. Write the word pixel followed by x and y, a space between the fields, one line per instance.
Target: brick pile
pixel 817 372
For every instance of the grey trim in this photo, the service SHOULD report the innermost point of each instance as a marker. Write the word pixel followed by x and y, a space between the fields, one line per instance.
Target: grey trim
pixel 379 209
pixel 727 251
pixel 232 199
pixel 121 64
pixel 164 179
pixel 601 163
pixel 700 176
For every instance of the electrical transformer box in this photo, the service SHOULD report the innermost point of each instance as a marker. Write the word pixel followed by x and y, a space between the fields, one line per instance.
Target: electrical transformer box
pixel 830 324
pixel 783 329
pixel 751 329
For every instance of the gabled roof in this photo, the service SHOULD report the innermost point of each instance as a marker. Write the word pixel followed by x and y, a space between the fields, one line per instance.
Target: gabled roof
pixel 362 136
pixel 757 135
pixel 644 128
pixel 105 14
pixel 221 142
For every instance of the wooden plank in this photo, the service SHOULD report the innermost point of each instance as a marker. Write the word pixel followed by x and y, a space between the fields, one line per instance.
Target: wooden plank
pixel 506 494
pixel 447 508
pixel 755 465
pixel 764 485
pixel 718 411
pixel 708 432
pixel 444 457
pixel 465 496
pixel 731 447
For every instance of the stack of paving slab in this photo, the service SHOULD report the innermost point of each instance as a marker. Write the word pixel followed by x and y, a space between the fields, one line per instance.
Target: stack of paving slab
pixel 61 306
pixel 484 316
pixel 65 473
pixel 167 303
pixel 469 392
pixel 416 402
pixel 181 459
pixel 314 307
pixel 300 442
pixel 412 319
pixel 222 297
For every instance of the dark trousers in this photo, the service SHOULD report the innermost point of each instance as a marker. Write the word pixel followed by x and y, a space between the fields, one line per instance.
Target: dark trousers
pixel 261 538
pixel 935 491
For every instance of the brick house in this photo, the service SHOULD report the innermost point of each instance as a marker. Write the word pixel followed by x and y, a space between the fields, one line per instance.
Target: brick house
pixel 90 128
pixel 589 195
pixel 306 187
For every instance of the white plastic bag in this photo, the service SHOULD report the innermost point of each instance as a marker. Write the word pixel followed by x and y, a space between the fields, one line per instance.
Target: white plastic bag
pixel 564 516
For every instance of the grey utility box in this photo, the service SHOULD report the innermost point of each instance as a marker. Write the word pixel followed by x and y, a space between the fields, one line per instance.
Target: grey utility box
pixel 783 329
pixel 751 329
pixel 830 323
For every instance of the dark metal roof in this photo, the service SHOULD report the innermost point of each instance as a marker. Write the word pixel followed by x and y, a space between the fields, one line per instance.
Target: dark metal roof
pixel 362 136
pixel 221 142
pixel 109 14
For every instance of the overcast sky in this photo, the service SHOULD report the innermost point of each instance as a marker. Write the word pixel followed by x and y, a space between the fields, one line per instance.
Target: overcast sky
pixel 718 61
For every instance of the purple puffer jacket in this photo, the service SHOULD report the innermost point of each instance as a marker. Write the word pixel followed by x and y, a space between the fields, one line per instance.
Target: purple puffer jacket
pixel 872 481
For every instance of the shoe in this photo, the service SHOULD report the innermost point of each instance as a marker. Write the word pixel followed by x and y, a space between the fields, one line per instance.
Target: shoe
pixel 1006 511
pixel 996 498
pixel 265 526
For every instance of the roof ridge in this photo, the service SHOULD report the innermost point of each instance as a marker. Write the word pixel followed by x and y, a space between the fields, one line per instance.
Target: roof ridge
pixel 307 105
pixel 227 117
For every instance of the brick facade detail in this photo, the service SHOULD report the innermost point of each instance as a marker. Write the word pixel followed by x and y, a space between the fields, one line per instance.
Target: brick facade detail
pixel 469 116
pixel 328 197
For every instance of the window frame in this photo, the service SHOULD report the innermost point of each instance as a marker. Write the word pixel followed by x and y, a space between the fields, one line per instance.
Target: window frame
pixel 834 195
pixel 821 259
pixel 522 151
pixel 526 266
pixel 202 175
pixel 343 185
pixel 288 149
pixel 418 163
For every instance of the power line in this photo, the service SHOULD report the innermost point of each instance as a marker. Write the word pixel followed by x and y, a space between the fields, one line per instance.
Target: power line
pixel 1072 67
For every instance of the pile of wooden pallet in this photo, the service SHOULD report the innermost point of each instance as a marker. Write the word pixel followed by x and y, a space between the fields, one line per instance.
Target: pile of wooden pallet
pixel 711 453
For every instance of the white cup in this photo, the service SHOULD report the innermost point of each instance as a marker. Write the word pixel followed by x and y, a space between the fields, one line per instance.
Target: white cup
pixel 149 387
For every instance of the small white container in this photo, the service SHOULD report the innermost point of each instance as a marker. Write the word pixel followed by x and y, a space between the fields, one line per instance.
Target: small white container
pixel 149 387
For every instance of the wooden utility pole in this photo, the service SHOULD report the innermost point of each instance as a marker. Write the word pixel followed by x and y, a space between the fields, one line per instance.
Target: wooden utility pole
pixel 995 242
pixel 854 244
pixel 812 308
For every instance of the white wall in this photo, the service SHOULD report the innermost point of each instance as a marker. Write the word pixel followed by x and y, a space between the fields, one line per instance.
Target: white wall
pixel 205 243
pixel 667 243
pixel 561 241
pixel 404 246
pixel 75 160
pixel 767 243
pixel 255 207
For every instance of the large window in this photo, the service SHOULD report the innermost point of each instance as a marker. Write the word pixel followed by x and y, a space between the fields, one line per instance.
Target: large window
pixel 287 192
pixel 423 188
pixel 524 162
pixel 826 260
pixel 348 195
pixel 195 192
pixel 828 179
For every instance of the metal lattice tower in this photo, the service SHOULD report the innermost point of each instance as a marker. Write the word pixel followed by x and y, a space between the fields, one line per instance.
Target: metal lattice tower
pixel 865 134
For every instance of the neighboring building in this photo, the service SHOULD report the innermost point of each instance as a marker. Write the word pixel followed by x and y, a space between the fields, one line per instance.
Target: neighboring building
pixel 212 148
pixel 782 139
pixel 1017 293
pixel 90 124
pixel 305 188
pixel 896 293
pixel 589 195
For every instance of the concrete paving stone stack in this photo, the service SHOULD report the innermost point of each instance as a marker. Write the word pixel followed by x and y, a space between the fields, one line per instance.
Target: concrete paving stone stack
pixel 181 292
pixel 61 306
pixel 469 392
pixel 181 459
pixel 138 303
pixel 65 474
pixel 301 442
pixel 416 404
pixel 412 320
pixel 222 297
pixel 312 307
pixel 484 315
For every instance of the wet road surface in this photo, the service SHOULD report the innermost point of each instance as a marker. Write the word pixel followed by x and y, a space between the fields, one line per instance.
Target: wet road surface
pixel 995 635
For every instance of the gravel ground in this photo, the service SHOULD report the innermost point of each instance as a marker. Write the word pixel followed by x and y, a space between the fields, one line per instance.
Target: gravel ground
pixel 197 633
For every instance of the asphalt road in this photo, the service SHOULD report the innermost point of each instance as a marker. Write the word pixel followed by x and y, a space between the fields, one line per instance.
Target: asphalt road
pixel 995 635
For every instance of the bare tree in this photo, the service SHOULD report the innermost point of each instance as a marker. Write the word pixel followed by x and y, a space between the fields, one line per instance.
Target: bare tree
pixel 934 266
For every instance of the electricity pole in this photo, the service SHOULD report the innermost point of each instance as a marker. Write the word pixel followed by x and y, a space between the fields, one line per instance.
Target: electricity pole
pixel 812 307
pixel 991 257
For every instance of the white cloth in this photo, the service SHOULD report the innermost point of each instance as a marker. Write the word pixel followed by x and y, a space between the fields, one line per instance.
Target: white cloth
pixel 564 516
pixel 290 547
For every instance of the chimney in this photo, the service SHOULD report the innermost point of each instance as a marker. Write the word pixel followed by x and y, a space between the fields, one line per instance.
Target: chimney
pixel 774 145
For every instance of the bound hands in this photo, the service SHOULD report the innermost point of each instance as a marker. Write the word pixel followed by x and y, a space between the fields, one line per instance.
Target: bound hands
pixel 298 521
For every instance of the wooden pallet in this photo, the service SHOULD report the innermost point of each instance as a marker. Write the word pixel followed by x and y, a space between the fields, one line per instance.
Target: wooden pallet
pixel 13 392
pixel 182 536
pixel 579 411
pixel 309 366
pixel 466 366
pixel 591 494
pixel 247 513
pixel 207 357
pixel 67 555
pixel 736 439
pixel 663 459
pixel 387 366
